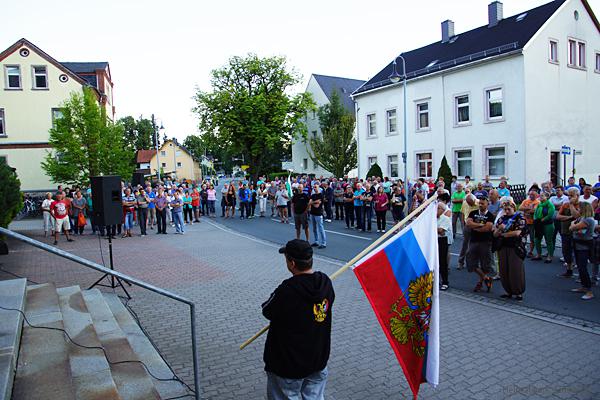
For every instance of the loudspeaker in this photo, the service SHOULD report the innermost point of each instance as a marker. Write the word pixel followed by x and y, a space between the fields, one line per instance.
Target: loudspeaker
pixel 106 200
pixel 138 179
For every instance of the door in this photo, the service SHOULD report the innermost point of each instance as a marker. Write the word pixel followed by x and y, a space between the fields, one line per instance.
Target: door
pixel 554 167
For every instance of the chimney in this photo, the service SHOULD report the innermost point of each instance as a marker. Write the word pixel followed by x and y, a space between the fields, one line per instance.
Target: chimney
pixel 494 13
pixel 447 30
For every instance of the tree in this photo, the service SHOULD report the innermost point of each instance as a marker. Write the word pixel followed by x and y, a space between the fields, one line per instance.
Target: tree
pixel 445 172
pixel 250 112
pixel 85 143
pixel 200 145
pixel 335 150
pixel 11 199
pixel 375 170
pixel 137 135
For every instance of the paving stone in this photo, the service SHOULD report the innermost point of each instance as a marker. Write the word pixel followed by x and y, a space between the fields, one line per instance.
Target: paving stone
pixel 487 350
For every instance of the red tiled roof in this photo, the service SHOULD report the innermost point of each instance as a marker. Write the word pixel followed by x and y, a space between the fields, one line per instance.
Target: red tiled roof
pixel 144 156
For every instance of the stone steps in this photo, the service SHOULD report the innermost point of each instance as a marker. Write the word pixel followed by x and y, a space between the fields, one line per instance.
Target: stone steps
pixel 12 295
pixel 48 366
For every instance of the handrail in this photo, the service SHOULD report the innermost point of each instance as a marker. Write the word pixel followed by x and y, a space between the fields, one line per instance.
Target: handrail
pixel 133 281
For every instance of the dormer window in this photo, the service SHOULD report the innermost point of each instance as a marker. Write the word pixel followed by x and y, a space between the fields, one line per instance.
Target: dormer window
pixel 40 77
pixel 521 17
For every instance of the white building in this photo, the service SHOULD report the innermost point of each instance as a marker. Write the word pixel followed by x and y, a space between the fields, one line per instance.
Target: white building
pixel 321 87
pixel 499 100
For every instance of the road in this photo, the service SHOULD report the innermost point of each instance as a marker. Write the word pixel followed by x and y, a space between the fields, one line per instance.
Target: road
pixel 545 291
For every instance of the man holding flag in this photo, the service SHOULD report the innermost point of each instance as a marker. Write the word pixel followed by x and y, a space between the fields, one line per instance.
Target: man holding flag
pixel 298 343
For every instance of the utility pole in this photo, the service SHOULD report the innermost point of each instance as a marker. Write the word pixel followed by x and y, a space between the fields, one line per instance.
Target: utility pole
pixel 156 143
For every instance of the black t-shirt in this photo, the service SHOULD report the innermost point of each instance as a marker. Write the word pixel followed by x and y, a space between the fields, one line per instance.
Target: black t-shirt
pixel 300 202
pixel 371 192
pixel 481 219
pixel 317 210
pixel 349 196
pixel 298 342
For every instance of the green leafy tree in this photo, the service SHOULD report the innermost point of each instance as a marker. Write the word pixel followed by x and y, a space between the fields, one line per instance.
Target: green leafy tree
pixel 85 143
pixel 250 111
pixel 335 150
pixel 11 199
pixel 445 172
pixel 200 145
pixel 137 134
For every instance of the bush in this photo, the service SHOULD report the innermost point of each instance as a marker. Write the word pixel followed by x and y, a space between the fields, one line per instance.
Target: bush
pixel 375 170
pixel 445 173
pixel 11 198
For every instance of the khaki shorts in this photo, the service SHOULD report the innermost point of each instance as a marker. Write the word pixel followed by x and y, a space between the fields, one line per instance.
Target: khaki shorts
pixel 60 223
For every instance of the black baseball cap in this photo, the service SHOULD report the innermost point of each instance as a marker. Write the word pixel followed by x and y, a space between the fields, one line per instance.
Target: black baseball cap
pixel 297 249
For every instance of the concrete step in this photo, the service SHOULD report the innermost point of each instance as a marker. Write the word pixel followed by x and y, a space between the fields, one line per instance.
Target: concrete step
pixel 43 370
pixel 144 349
pixel 132 380
pixel 12 295
pixel 92 377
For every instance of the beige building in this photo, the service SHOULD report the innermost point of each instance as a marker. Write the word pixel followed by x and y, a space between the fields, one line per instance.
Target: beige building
pixel 32 88
pixel 176 161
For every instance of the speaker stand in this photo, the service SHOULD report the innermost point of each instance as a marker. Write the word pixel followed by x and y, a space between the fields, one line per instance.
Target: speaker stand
pixel 114 282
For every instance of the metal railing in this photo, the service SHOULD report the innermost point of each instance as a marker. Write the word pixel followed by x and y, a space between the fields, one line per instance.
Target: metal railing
pixel 127 278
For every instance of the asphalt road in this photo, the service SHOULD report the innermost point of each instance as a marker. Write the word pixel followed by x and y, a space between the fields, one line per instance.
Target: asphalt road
pixel 545 291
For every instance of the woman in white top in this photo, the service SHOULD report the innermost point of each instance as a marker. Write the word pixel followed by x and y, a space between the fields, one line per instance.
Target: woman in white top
pixel 48 220
pixel 444 230
pixel 262 199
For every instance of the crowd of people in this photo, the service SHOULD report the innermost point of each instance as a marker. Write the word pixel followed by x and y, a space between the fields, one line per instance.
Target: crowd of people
pixel 498 234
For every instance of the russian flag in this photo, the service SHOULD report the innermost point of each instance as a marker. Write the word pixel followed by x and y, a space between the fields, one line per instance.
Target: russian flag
pixel 400 279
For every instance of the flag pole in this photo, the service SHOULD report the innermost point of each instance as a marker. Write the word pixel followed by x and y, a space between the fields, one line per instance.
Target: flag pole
pixel 360 255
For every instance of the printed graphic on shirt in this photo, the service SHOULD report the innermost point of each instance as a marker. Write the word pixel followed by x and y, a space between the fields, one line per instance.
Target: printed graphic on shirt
pixel 320 310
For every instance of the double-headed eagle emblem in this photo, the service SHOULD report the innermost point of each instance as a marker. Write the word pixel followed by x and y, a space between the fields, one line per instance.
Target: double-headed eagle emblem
pixel 411 322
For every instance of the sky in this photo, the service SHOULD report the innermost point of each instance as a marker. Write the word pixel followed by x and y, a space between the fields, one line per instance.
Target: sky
pixel 161 52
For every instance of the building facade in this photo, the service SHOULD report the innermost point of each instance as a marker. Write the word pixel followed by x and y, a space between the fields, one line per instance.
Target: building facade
pixel 499 100
pixel 175 161
pixel 32 89
pixel 321 88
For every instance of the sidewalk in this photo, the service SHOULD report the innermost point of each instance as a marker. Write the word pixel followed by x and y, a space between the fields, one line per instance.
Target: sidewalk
pixel 487 352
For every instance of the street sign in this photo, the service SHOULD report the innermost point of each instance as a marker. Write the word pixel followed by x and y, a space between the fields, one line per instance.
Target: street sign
pixel 565 150
pixel 578 152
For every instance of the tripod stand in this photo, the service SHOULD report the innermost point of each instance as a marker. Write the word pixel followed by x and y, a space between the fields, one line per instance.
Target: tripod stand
pixel 113 281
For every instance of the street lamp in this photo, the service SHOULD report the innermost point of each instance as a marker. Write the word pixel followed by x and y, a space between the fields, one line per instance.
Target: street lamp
pixel 395 77
pixel 156 129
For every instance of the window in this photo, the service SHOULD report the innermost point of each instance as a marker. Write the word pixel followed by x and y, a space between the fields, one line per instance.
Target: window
pixel 494 104
pixel 315 165
pixel 598 62
pixel 56 114
pixel 462 109
pixel 305 163
pixel 178 164
pixel 40 77
pixel 164 165
pixel 422 116
pixel 314 134
pixel 371 160
pixel 424 165
pixel 371 125
pixel 553 52
pixel 392 127
pixel 314 114
pixel 163 153
pixel 13 77
pixel 393 166
pixel 576 53
pixel 496 161
pixel 581 54
pixel 2 130
pixel 4 159
pixel 464 162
